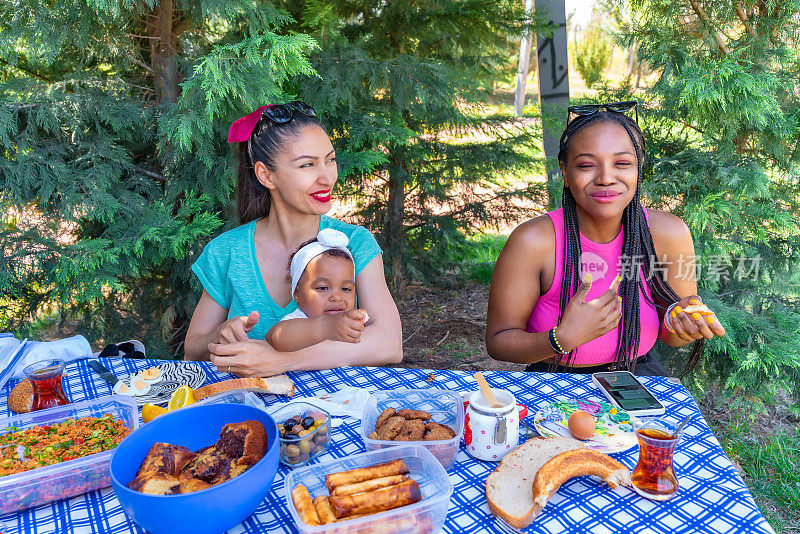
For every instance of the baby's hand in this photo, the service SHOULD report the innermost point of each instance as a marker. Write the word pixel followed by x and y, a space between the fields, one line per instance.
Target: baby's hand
pixel 345 326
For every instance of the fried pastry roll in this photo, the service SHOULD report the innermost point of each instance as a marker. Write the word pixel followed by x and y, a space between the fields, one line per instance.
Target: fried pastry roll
pixel 305 507
pixel 377 501
pixel 324 510
pixel 353 476
pixel 368 485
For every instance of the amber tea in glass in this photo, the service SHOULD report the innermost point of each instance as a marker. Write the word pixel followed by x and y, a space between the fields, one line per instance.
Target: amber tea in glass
pixel 45 377
pixel 654 476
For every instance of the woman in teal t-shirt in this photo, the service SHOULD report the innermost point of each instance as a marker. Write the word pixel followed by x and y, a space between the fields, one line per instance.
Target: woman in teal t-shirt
pixel 287 170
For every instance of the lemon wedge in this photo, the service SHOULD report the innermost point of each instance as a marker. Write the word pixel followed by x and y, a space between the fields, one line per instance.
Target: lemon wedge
pixel 183 396
pixel 151 411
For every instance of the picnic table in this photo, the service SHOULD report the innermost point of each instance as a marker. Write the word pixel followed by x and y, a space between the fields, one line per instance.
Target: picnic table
pixel 712 497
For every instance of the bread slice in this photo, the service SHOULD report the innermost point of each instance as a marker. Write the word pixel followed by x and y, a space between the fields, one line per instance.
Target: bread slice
pixel 577 463
pixel 509 488
pixel 701 308
pixel 276 385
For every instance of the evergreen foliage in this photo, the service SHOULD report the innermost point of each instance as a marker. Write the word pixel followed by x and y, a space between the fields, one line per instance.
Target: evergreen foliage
pixel 592 55
pixel 723 127
pixel 402 88
pixel 115 168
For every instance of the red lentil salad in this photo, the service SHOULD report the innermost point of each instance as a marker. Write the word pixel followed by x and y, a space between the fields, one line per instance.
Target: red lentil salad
pixel 39 446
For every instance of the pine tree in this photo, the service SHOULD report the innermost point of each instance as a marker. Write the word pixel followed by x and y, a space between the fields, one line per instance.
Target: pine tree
pixel 115 168
pixel 402 87
pixel 723 121
pixel 592 55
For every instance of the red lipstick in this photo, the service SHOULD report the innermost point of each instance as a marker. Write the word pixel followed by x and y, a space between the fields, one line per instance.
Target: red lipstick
pixel 324 195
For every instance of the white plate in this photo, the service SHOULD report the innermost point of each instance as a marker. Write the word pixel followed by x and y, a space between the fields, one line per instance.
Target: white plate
pixel 613 429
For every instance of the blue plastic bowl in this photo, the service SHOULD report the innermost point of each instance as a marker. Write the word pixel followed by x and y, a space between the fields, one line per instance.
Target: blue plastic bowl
pixel 212 510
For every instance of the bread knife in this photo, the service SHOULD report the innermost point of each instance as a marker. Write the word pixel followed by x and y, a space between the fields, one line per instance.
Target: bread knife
pixel 104 373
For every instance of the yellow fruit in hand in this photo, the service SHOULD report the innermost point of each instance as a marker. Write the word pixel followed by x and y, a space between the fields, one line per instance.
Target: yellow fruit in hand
pixel 151 411
pixel 183 396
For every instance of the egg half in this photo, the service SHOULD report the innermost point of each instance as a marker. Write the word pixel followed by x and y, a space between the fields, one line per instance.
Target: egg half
pixel 121 388
pixel 581 424
pixel 151 375
pixel 139 386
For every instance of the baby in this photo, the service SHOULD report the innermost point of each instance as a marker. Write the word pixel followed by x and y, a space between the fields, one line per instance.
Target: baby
pixel 323 285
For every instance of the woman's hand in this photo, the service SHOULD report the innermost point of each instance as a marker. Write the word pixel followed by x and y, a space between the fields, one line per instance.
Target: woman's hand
pixel 584 321
pixel 248 358
pixel 692 326
pixel 236 328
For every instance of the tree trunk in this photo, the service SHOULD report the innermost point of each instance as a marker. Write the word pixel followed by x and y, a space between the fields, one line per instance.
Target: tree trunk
pixel 631 57
pixel 394 236
pixel 393 230
pixel 165 31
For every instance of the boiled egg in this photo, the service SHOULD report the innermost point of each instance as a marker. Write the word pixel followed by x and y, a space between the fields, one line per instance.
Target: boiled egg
pixel 121 388
pixel 139 386
pixel 581 424
pixel 151 375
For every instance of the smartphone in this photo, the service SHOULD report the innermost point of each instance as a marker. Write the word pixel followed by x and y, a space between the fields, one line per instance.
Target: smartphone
pixel 625 392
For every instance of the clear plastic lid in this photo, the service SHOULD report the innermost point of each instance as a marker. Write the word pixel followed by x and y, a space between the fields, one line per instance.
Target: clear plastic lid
pixel 423 467
pixel 122 408
pixel 11 354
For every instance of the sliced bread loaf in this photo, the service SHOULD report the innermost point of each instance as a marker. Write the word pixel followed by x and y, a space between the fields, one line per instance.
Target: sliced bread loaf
pixel 277 385
pixel 509 488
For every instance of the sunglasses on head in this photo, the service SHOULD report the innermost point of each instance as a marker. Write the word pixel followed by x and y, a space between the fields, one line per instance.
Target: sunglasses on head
pixel 283 113
pixel 585 110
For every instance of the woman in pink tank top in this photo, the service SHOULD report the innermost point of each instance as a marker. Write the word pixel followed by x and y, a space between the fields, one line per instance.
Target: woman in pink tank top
pixel 592 285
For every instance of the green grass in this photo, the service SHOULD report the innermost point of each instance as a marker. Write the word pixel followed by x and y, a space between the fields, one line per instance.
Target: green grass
pixel 477 259
pixel 771 465
pixel 460 350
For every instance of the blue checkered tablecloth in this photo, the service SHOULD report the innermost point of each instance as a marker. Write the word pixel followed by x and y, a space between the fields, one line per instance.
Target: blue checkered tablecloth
pixel 712 497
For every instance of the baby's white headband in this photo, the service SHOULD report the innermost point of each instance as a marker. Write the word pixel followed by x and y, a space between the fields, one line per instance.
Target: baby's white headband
pixel 327 239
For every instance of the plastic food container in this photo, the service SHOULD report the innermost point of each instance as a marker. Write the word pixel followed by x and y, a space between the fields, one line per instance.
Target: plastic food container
pixel 67 479
pixel 446 407
pixel 236 396
pixel 425 516
pixel 297 451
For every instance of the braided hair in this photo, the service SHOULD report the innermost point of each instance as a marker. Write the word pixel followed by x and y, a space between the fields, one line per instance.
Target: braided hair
pixel 638 244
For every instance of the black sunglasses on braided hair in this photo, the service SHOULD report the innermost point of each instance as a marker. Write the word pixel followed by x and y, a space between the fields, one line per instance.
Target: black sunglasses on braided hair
pixel 585 110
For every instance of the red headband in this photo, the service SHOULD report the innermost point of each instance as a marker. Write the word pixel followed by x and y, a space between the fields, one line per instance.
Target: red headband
pixel 242 129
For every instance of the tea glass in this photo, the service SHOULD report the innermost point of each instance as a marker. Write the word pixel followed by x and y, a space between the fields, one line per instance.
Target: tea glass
pixel 45 377
pixel 654 476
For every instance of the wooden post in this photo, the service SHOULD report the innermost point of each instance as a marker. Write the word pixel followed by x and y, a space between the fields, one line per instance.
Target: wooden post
pixel 524 64
pixel 553 64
